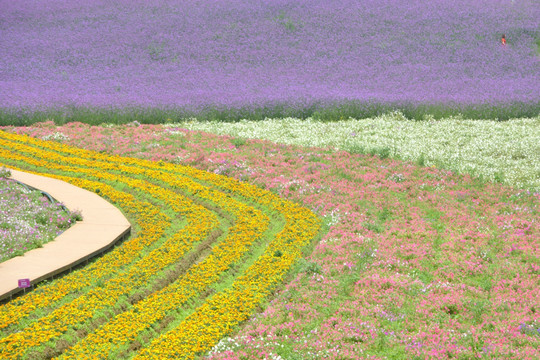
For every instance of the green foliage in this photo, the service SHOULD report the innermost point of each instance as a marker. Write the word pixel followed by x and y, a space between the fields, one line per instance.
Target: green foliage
pixel 308 267
pixel 355 148
pixel 155 51
pixel 382 152
pixel 4 173
pixel 499 177
pixel 421 160
pixel 326 112
pixel 285 21
pixel 375 227
pixel 384 215
pixel 425 276
pixel 237 142
pixel 6 226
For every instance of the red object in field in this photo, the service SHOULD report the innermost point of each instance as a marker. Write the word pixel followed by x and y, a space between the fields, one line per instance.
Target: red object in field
pixel 503 40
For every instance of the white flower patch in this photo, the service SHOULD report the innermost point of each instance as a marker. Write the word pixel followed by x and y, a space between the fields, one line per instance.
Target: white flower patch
pixel 504 151
pixel 333 217
pixel 225 344
pixel 174 130
pixel 57 136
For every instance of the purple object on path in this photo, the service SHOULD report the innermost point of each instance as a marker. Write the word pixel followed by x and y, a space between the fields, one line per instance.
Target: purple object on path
pixel 24 283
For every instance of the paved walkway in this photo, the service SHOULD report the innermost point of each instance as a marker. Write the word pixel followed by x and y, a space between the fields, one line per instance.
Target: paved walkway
pixel 102 225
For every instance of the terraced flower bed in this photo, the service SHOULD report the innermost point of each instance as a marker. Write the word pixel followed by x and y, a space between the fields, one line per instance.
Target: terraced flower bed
pixel 394 185
pixel 207 251
pixel 418 262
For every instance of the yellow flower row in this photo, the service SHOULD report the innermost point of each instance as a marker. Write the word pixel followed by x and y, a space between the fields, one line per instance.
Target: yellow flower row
pixel 125 327
pixel 221 313
pixel 195 281
pixel 218 316
pixel 198 277
pixel 35 153
pixel 156 262
pixel 12 312
pixel 296 216
pixel 147 222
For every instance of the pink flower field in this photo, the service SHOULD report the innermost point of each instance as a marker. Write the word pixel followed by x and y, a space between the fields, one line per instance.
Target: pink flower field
pixel 417 262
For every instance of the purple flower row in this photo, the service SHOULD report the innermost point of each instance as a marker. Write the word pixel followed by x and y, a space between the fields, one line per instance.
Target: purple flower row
pixel 195 54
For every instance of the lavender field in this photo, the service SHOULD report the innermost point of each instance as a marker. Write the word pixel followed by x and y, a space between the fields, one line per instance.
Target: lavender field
pixel 232 59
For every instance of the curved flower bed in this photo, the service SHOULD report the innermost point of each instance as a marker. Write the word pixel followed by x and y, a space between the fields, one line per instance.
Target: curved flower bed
pixel 195 228
pixel 418 262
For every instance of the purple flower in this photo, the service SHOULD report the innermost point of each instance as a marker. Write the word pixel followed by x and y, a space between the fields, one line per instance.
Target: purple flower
pixel 258 53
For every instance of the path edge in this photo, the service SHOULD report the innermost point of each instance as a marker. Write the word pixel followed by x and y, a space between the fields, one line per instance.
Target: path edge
pixel 102 226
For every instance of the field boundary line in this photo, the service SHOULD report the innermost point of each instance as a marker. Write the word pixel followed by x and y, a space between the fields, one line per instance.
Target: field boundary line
pixel 102 226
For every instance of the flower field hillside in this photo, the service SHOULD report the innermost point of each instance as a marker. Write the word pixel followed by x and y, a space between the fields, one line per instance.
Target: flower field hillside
pixel 305 179
pixel 418 262
pixel 207 251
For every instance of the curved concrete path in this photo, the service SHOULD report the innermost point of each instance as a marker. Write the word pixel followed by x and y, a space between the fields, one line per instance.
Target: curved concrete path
pixel 102 225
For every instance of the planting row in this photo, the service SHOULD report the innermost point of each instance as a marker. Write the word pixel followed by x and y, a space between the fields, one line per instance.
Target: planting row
pixel 197 233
